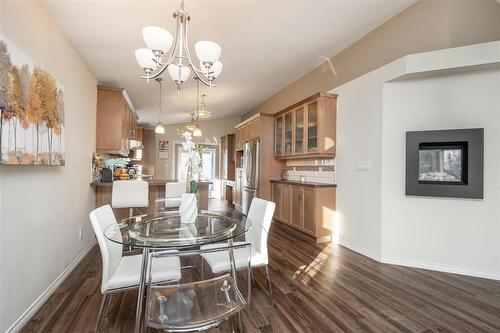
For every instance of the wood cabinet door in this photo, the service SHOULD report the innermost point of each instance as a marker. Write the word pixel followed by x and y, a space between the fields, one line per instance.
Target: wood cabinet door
pixel 286 203
pixel 276 197
pixel 297 207
pixel 312 127
pixel 309 203
pixel 288 140
pixel 299 132
pixel 278 136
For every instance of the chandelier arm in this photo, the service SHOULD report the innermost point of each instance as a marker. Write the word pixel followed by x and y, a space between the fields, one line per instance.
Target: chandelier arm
pixel 196 71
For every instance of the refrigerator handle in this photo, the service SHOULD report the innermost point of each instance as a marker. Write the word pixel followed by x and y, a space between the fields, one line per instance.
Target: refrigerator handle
pixel 248 164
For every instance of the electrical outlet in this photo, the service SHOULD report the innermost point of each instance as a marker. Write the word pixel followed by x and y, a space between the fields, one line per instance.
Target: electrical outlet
pixel 363 165
pixel 80 233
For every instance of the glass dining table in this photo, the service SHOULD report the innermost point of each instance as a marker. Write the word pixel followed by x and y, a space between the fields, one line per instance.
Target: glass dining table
pixel 167 231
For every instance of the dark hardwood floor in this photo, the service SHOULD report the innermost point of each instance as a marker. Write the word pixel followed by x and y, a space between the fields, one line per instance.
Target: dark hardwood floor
pixel 317 288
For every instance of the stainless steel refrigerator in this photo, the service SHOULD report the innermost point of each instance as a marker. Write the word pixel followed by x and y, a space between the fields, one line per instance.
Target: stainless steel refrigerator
pixel 251 172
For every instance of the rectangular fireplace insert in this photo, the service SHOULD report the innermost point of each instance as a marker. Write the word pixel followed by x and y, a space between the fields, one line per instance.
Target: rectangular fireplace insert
pixel 445 163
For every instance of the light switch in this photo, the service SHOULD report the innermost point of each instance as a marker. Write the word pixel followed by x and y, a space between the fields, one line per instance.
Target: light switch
pixel 363 165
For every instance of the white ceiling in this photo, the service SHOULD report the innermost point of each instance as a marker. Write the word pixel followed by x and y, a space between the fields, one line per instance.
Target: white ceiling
pixel 266 45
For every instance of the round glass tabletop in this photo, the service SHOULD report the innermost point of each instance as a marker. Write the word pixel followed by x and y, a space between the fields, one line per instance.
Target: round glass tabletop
pixel 166 231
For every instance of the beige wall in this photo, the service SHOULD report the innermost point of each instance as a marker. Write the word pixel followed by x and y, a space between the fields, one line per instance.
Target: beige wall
pixel 212 131
pixel 425 26
pixel 42 208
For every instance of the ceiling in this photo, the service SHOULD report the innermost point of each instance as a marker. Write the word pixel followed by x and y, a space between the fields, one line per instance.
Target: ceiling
pixel 266 45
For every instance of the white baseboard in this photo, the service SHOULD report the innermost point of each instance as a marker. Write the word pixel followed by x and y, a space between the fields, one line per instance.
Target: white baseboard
pixel 441 268
pixel 35 306
pixel 421 264
pixel 367 253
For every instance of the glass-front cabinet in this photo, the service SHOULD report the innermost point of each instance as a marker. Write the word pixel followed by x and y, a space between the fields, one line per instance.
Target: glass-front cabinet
pixel 312 127
pixel 307 129
pixel 278 139
pixel 299 130
pixel 288 133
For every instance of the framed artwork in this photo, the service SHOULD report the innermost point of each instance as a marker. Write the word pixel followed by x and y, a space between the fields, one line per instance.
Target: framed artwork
pixel 163 149
pixel 31 111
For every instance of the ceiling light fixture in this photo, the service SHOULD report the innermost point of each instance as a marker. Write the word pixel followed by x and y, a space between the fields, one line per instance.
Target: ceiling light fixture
pixel 202 111
pixel 193 126
pixel 178 64
pixel 159 129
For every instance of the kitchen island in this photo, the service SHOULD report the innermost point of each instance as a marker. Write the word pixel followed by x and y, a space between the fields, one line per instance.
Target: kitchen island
pixel 103 193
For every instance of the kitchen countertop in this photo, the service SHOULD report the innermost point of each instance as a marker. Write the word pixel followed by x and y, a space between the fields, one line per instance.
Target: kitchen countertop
pixel 152 182
pixel 296 182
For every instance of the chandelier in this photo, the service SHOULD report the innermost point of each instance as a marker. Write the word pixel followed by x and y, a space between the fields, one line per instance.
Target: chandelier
pixel 178 61
pixel 202 111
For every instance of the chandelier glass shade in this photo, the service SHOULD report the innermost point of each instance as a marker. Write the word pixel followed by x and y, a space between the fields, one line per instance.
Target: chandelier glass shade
pixel 165 52
pixel 202 110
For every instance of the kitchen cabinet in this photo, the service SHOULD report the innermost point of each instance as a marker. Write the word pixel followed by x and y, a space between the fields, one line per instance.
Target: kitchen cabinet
pixel 115 121
pixel 247 132
pixel 227 157
pixel 309 209
pixel 259 127
pixel 307 129
pixel 238 188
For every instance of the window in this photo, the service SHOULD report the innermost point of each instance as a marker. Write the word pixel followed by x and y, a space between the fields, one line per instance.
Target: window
pixel 209 158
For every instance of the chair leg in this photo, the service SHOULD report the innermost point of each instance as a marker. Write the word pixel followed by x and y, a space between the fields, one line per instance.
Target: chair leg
pixel 101 312
pixel 249 287
pixel 253 279
pixel 270 286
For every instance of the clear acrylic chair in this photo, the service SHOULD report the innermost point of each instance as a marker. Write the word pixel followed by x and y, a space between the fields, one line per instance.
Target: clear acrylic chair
pixel 186 201
pixel 196 302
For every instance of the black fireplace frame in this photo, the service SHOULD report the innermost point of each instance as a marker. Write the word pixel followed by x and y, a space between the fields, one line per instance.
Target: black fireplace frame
pixel 471 185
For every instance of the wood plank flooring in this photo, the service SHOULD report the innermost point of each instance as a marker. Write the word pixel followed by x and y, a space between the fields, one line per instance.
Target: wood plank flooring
pixel 317 288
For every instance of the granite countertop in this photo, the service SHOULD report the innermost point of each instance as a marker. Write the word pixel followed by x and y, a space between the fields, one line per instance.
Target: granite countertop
pixel 308 184
pixel 152 182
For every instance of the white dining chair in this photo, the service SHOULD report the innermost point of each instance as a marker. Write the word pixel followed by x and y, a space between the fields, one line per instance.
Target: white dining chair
pixel 121 273
pixel 130 194
pixel 260 215
pixel 173 193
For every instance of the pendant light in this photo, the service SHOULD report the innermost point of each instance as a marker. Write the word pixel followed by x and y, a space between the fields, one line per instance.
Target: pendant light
pixel 194 127
pixel 202 111
pixel 159 129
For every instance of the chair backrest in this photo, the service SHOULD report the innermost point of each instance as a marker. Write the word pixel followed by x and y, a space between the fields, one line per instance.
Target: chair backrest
pixel 187 200
pixel 182 305
pixel 130 194
pixel 175 190
pixel 261 215
pixel 111 252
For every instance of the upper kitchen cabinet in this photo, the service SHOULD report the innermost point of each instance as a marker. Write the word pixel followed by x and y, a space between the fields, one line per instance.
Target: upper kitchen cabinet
pixel 307 129
pixel 247 131
pixel 116 121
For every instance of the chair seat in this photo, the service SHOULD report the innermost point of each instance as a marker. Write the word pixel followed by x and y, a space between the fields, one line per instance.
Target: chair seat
pixel 219 261
pixel 128 272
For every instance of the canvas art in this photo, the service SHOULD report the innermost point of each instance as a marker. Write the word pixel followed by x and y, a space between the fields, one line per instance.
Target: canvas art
pixel 31 111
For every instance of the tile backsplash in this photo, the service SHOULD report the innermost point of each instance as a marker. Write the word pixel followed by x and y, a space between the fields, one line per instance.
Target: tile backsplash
pixel 319 171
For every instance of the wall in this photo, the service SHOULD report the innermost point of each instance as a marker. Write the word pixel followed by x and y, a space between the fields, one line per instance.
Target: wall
pixel 42 208
pixel 424 26
pixel 212 131
pixel 375 217
pixel 451 233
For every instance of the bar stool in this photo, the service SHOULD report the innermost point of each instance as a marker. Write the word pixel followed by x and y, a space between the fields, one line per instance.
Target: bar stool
pixel 130 194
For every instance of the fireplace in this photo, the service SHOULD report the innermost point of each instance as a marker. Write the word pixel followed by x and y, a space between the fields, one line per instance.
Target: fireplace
pixel 445 163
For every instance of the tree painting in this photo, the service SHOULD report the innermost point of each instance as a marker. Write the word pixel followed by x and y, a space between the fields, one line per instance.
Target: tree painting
pixel 31 111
